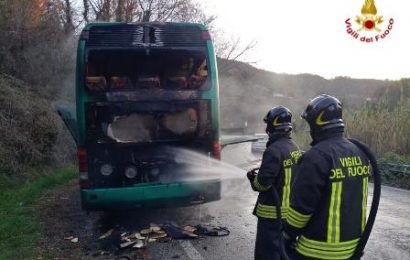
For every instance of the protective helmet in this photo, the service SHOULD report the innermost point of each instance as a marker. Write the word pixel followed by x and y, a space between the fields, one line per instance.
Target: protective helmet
pixel 278 119
pixel 324 112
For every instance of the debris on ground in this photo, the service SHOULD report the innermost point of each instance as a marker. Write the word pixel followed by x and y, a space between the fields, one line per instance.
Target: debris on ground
pixel 157 236
pixel 190 229
pixel 127 244
pixel 106 234
pixel 145 231
pixel 139 244
pixel 215 231
pixel 139 236
pixel 72 239
pixel 138 240
pixel 151 240
pixel 176 232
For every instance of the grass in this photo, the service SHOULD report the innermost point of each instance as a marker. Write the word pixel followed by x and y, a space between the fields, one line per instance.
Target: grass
pixel 19 228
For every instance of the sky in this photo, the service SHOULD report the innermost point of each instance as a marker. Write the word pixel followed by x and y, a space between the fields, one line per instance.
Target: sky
pixel 300 36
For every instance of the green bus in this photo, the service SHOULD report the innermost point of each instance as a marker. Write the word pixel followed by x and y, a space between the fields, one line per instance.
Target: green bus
pixel 140 89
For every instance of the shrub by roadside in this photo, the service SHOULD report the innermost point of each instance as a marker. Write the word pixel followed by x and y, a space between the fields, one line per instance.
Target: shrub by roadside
pixel 28 128
pixel 395 170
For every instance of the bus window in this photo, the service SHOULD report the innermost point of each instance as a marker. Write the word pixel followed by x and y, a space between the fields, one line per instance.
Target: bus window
pixel 139 127
pixel 137 69
pixel 130 124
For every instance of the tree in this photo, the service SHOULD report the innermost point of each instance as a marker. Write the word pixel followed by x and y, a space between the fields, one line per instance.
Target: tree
pixel 86 7
pixel 31 38
pixel 229 50
pixel 68 17
pixel 145 11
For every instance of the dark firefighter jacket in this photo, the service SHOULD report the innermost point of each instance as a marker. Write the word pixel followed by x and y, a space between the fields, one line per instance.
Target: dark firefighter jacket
pixel 279 159
pixel 329 197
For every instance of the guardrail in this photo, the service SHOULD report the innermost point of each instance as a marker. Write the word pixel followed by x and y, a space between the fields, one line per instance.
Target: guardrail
pixel 395 174
pixel 395 168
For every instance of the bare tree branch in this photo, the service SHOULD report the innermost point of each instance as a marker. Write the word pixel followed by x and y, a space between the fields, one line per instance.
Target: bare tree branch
pixel 86 10
pixel 69 24
pixel 131 11
pixel 247 48
pixel 232 48
pixel 119 12
pixel 95 10
pixel 231 51
pixel 167 12
pixel 141 5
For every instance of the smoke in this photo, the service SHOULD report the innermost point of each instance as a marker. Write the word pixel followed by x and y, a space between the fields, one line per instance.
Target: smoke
pixel 257 91
pixel 63 85
pixel 67 77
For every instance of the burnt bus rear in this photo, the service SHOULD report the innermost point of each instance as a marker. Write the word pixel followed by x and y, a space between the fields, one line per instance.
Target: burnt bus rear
pixel 143 92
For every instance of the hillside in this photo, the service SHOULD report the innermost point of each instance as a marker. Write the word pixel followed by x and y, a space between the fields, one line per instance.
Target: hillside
pixel 247 92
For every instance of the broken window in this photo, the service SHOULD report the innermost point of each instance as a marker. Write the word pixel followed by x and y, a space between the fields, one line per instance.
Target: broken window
pixel 142 122
pixel 146 69
pixel 144 128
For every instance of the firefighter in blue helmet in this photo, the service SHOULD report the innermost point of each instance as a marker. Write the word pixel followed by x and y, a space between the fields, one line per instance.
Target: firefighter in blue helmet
pixel 327 212
pixel 276 171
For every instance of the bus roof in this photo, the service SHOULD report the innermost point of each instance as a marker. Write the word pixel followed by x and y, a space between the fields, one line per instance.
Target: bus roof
pixel 143 35
pixel 94 24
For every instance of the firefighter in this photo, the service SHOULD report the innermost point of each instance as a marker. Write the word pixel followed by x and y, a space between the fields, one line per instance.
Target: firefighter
pixel 327 213
pixel 276 172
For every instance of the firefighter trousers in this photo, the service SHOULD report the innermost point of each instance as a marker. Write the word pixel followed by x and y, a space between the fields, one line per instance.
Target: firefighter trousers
pixel 268 234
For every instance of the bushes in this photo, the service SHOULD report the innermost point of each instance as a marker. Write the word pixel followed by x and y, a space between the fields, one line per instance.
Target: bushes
pixel 384 129
pixel 28 127
pixel 395 170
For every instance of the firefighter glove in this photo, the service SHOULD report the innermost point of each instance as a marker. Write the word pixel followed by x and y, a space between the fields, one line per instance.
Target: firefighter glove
pixel 251 175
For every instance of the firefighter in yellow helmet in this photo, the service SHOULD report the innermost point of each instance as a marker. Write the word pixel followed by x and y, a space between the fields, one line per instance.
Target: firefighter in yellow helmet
pixel 327 212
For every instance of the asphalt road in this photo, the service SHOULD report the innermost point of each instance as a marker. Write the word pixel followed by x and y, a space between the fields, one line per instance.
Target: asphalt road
pixel 390 238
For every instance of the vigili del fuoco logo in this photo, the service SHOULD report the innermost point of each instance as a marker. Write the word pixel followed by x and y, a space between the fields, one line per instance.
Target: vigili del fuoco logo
pixel 369 26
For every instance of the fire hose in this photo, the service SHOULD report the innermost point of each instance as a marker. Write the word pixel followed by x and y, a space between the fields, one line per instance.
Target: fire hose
pixel 375 201
pixel 373 210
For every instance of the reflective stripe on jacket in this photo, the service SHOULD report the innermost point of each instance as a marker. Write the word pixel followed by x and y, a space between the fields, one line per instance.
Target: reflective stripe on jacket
pixel 277 167
pixel 329 199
